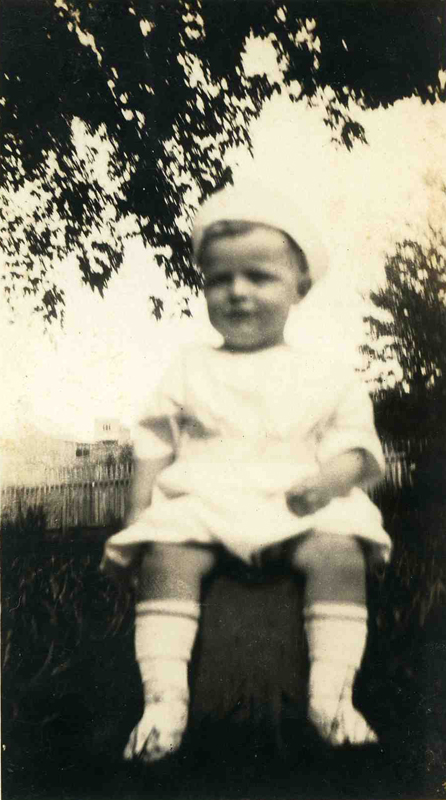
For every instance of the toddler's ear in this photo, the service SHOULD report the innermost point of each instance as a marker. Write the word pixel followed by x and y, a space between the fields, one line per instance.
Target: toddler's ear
pixel 303 285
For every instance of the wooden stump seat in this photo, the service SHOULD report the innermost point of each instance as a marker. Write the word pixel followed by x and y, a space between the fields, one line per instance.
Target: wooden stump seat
pixel 251 651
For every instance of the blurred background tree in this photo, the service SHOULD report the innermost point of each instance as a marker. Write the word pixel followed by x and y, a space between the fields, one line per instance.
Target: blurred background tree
pixel 118 115
pixel 412 329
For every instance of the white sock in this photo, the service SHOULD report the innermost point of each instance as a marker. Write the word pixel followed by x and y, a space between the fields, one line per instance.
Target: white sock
pixel 336 635
pixel 165 632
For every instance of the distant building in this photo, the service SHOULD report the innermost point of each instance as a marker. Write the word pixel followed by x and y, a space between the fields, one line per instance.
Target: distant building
pixel 108 429
pixel 30 457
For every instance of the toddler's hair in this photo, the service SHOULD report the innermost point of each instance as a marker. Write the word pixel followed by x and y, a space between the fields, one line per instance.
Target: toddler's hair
pixel 239 228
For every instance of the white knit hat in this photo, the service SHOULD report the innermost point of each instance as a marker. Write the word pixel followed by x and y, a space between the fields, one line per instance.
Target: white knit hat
pixel 255 202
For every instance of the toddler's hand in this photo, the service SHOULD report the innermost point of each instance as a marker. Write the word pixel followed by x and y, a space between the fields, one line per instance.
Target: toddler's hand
pixel 335 479
pixel 311 494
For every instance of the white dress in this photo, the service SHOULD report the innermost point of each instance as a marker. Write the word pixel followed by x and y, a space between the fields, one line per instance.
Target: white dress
pixel 233 432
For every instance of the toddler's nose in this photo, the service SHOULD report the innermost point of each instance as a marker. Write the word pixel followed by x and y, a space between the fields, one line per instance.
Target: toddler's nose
pixel 239 287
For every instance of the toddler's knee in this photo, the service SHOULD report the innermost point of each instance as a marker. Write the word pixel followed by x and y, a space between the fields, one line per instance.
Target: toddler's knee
pixel 319 552
pixel 189 560
pixel 198 560
pixel 169 570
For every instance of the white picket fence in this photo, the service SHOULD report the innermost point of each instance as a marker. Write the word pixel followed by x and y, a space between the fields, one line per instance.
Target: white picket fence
pixel 399 466
pixel 89 496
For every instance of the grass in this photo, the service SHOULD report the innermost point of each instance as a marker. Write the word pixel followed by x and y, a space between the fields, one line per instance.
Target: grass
pixel 71 691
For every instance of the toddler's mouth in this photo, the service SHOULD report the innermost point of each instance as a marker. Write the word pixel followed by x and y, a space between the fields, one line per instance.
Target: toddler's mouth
pixel 239 313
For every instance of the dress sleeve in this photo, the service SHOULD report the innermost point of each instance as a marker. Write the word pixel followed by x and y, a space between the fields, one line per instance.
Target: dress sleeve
pixel 350 427
pixel 156 437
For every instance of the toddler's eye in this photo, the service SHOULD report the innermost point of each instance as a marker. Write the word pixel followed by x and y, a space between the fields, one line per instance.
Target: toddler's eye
pixel 257 276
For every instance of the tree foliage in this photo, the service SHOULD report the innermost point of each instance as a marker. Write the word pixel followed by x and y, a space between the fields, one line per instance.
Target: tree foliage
pixel 413 329
pixel 163 87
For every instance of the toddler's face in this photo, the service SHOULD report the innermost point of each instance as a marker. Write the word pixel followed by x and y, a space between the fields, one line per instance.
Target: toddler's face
pixel 251 281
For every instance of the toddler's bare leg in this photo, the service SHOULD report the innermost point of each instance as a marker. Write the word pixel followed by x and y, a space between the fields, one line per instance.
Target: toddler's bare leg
pixel 167 616
pixel 336 627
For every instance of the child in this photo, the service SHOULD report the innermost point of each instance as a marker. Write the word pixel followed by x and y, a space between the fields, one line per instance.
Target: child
pixel 247 445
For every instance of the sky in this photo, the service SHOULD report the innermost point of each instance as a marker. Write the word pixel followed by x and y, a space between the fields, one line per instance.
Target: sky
pixel 112 351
